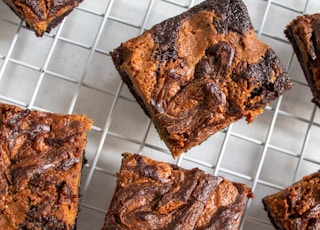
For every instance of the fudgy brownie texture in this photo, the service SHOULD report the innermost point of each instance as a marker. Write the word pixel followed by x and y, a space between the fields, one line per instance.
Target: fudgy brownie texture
pixel 304 34
pixel 41 156
pixel 42 15
pixel 296 207
pixel 196 73
pixel 158 195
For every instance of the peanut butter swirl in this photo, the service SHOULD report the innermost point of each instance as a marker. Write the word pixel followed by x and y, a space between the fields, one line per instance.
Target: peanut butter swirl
pixel 157 195
pixel 40 166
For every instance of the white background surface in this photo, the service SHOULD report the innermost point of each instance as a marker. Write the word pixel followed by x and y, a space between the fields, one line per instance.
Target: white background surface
pixel 70 71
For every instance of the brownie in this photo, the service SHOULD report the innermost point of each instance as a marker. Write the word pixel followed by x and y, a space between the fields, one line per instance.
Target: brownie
pixel 41 158
pixel 42 16
pixel 296 207
pixel 157 195
pixel 304 35
pixel 198 72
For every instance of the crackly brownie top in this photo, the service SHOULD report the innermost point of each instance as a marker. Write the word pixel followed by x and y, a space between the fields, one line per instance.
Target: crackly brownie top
pixel 40 163
pixel 158 195
pixel 297 206
pixel 200 71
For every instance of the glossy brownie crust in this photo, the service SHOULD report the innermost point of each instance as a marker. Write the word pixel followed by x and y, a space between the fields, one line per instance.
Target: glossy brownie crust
pixel 196 73
pixel 41 158
pixel 40 15
pixel 296 207
pixel 304 35
pixel 157 195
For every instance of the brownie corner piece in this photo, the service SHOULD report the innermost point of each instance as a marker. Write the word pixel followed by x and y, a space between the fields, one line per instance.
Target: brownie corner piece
pixel 198 72
pixel 41 160
pixel 42 16
pixel 303 33
pixel 297 206
pixel 151 194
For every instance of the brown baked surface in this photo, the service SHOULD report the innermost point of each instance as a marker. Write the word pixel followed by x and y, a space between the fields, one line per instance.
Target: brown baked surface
pixel 304 34
pixel 41 158
pixel 158 195
pixel 42 15
pixel 297 206
pixel 200 71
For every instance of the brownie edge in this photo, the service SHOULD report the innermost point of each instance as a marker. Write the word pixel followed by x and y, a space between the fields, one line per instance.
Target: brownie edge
pixel 151 194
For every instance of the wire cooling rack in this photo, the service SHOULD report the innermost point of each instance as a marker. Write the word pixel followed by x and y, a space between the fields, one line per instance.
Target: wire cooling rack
pixel 70 71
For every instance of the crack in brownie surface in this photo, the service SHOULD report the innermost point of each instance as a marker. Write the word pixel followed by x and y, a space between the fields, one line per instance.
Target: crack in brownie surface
pixel 196 73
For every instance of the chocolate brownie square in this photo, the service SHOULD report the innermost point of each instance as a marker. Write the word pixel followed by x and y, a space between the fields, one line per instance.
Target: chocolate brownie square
pixel 41 158
pixel 297 206
pixel 198 72
pixel 157 195
pixel 304 35
pixel 42 16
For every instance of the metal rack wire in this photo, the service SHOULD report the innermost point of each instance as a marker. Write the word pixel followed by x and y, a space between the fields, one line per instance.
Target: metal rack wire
pixel 70 71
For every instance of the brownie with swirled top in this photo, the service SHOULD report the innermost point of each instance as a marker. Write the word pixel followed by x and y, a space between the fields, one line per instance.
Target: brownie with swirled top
pixel 198 72
pixel 42 16
pixel 41 159
pixel 303 32
pixel 157 195
pixel 296 206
